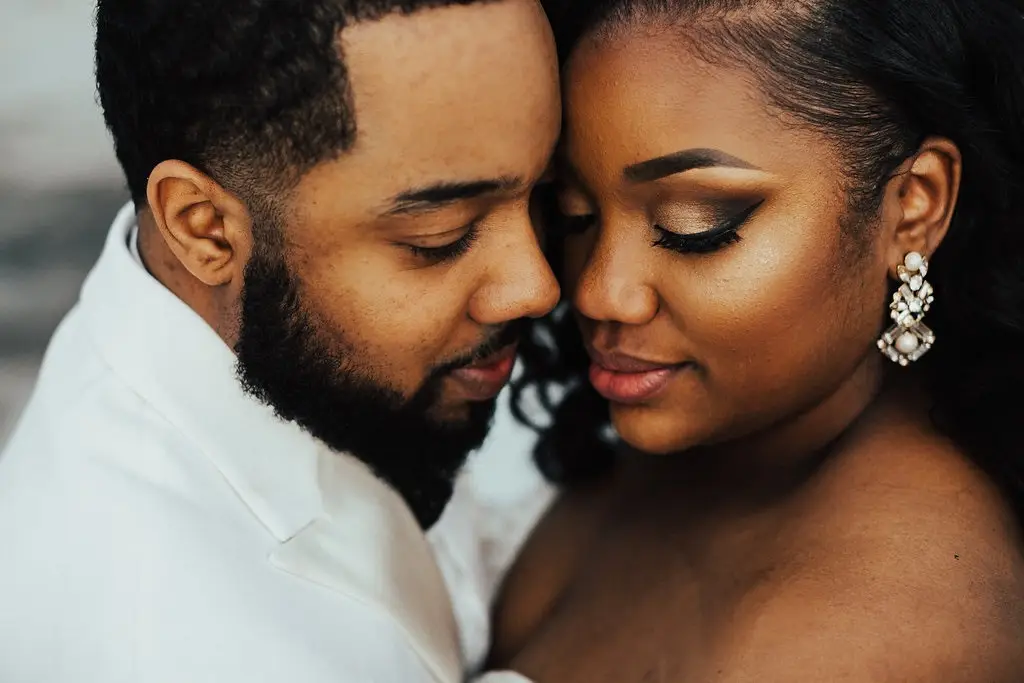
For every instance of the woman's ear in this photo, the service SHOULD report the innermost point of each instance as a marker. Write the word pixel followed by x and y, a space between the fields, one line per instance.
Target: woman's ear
pixel 925 191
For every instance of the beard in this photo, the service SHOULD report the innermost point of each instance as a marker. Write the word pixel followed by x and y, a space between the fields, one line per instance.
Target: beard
pixel 313 376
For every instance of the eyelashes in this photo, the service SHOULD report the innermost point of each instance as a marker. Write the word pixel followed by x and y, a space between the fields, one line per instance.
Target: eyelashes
pixel 726 232
pixel 447 252
pixel 701 243
pixel 722 235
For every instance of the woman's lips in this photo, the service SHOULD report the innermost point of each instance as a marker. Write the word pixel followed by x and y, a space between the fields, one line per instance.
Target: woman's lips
pixel 630 380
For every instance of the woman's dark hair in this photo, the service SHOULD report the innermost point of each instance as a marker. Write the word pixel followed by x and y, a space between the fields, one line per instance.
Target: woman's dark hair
pixel 876 77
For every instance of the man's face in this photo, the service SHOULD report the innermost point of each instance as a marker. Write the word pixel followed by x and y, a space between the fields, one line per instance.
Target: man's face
pixel 385 321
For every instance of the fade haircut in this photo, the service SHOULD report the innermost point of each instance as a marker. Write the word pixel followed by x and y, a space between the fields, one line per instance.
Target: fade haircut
pixel 254 93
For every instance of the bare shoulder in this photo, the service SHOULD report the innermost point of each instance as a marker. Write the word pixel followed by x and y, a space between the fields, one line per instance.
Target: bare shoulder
pixel 906 565
pixel 901 486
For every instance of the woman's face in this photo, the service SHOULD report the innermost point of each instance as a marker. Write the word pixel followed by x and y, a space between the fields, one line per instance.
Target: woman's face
pixel 717 290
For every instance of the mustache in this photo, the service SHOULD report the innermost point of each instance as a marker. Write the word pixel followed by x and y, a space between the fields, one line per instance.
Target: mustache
pixel 500 339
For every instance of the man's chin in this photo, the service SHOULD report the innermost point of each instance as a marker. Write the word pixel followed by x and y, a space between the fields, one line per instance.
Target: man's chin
pixel 425 470
pixel 458 414
pixel 462 425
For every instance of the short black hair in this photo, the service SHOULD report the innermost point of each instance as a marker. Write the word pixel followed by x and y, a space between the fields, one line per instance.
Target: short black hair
pixel 252 92
pixel 877 77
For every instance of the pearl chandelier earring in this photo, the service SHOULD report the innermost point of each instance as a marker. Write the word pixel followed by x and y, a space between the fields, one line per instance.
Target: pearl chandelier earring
pixel 909 338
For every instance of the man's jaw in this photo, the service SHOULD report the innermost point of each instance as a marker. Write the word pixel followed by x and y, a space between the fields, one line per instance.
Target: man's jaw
pixel 285 362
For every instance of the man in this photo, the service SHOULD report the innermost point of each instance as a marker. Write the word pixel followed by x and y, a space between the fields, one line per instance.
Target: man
pixel 290 343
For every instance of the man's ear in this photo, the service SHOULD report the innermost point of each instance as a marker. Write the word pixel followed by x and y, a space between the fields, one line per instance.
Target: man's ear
pixel 205 226
pixel 926 191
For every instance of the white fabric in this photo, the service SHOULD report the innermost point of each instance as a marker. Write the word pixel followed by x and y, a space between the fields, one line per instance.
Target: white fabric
pixel 503 677
pixel 159 525
pixel 133 243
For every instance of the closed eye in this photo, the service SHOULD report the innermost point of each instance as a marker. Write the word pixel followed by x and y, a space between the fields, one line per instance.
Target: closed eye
pixel 722 235
pixel 447 252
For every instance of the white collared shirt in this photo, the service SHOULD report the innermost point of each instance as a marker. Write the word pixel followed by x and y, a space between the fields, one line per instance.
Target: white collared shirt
pixel 158 524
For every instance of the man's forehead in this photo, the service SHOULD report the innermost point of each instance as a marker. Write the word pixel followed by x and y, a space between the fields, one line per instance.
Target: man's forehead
pixel 443 82
pixel 460 101
pixel 410 42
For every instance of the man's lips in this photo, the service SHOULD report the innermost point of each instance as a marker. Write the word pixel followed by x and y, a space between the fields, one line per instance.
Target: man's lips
pixel 621 378
pixel 484 379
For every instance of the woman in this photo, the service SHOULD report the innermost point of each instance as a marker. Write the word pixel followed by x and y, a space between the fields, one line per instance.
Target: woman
pixel 792 238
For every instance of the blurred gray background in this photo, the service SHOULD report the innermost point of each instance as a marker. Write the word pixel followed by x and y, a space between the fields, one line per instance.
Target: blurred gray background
pixel 59 182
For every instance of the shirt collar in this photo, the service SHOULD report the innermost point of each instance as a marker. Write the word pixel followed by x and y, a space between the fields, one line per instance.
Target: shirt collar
pixel 169 356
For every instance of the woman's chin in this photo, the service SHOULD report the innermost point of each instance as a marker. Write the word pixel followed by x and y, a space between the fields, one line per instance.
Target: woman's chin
pixel 655 431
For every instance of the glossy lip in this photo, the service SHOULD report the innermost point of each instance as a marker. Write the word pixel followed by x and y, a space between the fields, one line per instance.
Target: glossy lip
pixel 485 379
pixel 625 379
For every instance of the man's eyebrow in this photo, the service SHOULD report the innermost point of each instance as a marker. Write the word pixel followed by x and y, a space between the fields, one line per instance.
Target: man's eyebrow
pixel 680 162
pixel 439 195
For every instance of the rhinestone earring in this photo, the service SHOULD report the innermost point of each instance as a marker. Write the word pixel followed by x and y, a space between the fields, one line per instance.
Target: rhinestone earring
pixel 909 338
